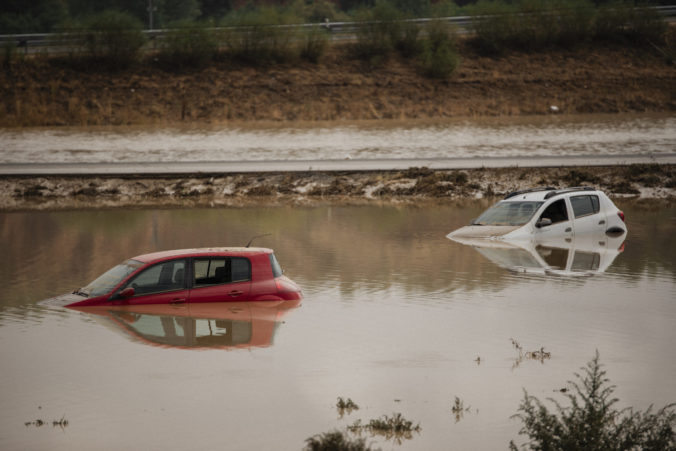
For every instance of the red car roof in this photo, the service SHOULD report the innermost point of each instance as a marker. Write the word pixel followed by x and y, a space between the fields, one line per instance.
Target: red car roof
pixel 207 251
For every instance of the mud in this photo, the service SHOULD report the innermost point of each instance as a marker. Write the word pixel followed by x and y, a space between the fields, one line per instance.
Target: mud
pixel 641 181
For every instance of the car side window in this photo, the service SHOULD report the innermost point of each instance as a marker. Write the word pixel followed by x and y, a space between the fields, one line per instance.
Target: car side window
pixel 166 276
pixel 220 270
pixel 584 205
pixel 556 211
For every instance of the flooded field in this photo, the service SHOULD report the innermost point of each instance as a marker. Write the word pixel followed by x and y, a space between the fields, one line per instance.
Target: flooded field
pixel 395 317
pixel 580 135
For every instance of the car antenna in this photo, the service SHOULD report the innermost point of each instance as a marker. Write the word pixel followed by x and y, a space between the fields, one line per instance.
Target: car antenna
pixel 257 236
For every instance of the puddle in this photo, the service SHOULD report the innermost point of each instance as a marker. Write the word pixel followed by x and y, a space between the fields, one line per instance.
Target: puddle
pixel 396 317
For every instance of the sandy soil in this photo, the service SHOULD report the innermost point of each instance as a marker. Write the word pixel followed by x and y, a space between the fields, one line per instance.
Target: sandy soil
pixel 413 185
pixel 591 79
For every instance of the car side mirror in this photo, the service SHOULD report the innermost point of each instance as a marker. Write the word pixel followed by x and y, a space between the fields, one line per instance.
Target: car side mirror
pixel 543 222
pixel 126 293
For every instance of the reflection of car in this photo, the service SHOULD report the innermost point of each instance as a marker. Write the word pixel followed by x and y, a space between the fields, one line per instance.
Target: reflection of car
pixel 207 325
pixel 577 256
pixel 188 276
pixel 541 213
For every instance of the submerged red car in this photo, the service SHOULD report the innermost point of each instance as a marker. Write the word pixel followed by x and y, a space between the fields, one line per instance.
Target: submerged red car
pixel 188 276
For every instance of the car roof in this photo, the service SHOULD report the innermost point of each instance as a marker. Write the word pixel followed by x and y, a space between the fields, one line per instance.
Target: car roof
pixel 544 193
pixel 202 252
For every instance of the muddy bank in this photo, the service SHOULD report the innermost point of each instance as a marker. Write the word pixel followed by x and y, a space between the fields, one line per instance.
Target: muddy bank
pixel 649 181
pixel 593 78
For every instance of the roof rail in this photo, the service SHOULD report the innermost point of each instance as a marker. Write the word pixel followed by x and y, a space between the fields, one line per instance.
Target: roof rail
pixel 569 190
pixel 530 190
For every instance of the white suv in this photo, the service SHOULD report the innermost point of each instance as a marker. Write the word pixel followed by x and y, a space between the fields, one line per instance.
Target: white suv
pixel 541 214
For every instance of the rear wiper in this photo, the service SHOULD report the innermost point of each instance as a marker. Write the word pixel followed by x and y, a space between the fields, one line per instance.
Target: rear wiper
pixel 81 293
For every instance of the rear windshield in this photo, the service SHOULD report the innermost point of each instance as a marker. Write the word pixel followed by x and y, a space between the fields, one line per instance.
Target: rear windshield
pixel 109 280
pixel 276 269
pixel 513 213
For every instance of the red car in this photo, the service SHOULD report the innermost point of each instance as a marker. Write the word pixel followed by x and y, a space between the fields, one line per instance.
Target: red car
pixel 188 276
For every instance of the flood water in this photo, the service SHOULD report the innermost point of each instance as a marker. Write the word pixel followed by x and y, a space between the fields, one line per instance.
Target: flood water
pixel 394 317
pixel 580 135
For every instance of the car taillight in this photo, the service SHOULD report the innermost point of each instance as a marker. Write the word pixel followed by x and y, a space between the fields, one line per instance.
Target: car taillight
pixel 284 286
pixel 621 215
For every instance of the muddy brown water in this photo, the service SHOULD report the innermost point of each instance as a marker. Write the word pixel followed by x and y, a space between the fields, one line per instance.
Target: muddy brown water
pixel 579 135
pixel 394 317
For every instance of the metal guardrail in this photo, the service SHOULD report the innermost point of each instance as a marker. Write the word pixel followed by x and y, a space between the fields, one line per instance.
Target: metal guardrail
pixel 339 31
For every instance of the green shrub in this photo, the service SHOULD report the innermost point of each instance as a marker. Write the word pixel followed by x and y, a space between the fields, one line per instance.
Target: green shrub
pixel 335 441
pixel 591 422
pixel 380 31
pixel 313 43
pixel 188 44
pixel 625 22
pixel 112 39
pixel 262 36
pixel 440 57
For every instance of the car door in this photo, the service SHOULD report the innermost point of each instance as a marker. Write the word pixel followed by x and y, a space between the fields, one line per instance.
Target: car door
pixel 162 283
pixel 561 224
pixel 587 214
pixel 220 279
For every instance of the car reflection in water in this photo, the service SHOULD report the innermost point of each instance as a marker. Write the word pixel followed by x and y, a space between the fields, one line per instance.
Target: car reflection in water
pixel 220 325
pixel 574 256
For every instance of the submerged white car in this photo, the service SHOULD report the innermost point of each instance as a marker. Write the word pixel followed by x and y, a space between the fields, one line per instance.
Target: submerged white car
pixel 540 214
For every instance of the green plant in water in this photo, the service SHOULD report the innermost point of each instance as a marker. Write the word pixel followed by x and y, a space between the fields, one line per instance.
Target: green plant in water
pixel 348 404
pixel 591 421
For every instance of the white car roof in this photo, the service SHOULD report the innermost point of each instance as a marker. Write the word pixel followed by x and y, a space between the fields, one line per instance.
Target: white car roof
pixel 542 194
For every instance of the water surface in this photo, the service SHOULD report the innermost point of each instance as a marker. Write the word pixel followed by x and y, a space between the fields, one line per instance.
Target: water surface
pixel 580 135
pixel 394 317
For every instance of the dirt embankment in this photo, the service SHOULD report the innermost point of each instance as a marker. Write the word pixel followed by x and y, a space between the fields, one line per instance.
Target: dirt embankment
pixel 589 79
pixel 650 181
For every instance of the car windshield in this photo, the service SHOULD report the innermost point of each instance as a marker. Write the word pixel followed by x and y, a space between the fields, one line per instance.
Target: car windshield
pixel 108 280
pixel 512 213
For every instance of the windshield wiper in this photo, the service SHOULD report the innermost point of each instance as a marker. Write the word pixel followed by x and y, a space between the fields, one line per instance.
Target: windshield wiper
pixel 80 292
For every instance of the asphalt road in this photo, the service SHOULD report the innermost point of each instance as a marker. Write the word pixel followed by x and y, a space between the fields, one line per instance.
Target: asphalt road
pixel 233 167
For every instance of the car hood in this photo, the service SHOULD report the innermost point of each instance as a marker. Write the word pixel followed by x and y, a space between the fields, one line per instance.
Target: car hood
pixel 477 231
pixel 63 300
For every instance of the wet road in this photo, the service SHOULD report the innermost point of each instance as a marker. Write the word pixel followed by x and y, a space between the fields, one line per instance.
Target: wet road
pixel 224 167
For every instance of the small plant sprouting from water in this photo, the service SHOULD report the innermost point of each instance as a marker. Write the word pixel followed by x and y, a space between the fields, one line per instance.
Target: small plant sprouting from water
pixel 590 422
pixel 346 406
pixel 540 354
pixel 62 422
pixel 395 427
pixel 459 409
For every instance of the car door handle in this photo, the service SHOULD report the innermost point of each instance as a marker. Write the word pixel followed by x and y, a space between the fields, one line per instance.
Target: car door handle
pixel 602 221
pixel 569 229
pixel 235 293
pixel 177 300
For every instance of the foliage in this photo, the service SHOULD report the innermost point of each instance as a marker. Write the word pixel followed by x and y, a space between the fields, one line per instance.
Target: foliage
pixel 18 16
pixel 313 43
pixel 111 39
pixel 188 44
pixel 380 31
pixel 536 24
pixel 265 36
pixel 335 441
pixel 591 422
pixel 440 57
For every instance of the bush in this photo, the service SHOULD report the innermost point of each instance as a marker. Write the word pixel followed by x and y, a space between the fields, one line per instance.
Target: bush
pixel 335 441
pixel 380 32
pixel 440 57
pixel 314 43
pixel 263 36
pixel 188 44
pixel 624 22
pixel 591 422
pixel 111 38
